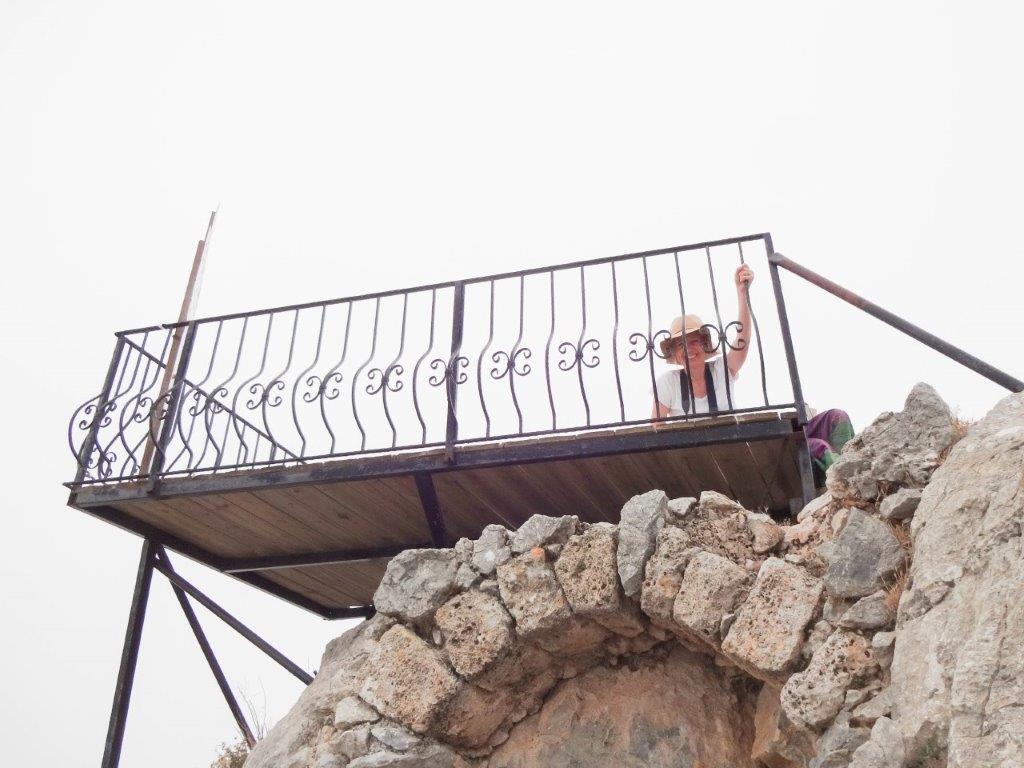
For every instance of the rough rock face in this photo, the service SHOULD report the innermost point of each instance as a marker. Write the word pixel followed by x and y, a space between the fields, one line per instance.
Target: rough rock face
pixel 697 633
pixel 958 669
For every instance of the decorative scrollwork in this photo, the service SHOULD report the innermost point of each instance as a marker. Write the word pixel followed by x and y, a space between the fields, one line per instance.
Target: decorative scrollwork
pixel 646 345
pixel 262 395
pixel 320 387
pixel 506 364
pixel 448 371
pixel 720 337
pixel 393 385
pixel 578 355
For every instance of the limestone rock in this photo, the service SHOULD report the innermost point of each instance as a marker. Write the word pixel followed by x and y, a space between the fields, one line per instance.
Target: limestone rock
pixel 766 533
pixel 352 743
pixel 862 557
pixel 897 449
pixel 882 646
pixel 836 746
pixel 352 710
pixel 869 612
pixel 541 530
pixel 900 505
pixel 408 680
pixel 768 633
pixel 664 713
pixel 491 549
pixel 416 583
pixel 958 670
pixel 664 574
pixel 641 519
pixel 776 743
pixel 587 571
pixel 867 713
pixel 815 507
pixel 813 697
pixel 394 736
pixel 719 525
pixel 679 509
pixel 477 632
pixel 712 587
pixel 532 594
pixel 883 750
pixel 474 715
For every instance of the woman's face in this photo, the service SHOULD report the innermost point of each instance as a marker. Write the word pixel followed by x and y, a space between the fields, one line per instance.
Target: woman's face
pixel 689 350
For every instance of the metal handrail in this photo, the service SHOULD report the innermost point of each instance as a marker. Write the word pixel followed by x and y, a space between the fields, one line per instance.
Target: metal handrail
pixel 540 351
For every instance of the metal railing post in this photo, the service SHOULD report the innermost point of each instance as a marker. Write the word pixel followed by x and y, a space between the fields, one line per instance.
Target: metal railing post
pixel 129 657
pixel 171 413
pixel 787 336
pixel 101 404
pixel 452 427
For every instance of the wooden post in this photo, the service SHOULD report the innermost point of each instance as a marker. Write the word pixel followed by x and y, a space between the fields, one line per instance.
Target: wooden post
pixel 188 305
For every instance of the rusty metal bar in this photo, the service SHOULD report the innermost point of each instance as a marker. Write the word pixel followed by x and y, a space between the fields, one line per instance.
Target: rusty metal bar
pixel 954 353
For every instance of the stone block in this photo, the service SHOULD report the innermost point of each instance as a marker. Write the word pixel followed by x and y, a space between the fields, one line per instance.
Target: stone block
pixel 712 587
pixel 664 574
pixel 641 519
pixel 532 594
pixel 541 531
pixel 864 555
pixel 766 638
pixel 477 632
pixel 586 569
pixel 416 583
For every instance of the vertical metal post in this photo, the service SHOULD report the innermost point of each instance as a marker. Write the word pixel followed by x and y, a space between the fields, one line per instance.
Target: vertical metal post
pixel 129 657
pixel 211 659
pixel 101 404
pixel 452 428
pixel 787 336
pixel 171 413
pixel 803 460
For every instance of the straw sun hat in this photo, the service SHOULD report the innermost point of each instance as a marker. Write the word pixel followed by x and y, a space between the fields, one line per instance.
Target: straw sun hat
pixel 685 325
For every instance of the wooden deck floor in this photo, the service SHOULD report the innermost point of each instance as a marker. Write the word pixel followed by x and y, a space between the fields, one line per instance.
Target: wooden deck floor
pixel 343 519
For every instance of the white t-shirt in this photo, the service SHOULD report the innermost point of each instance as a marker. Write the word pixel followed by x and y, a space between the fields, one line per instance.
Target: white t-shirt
pixel 672 395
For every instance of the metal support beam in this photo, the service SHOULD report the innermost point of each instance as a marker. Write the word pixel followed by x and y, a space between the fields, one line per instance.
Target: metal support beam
pixel 966 359
pixel 211 659
pixel 274 562
pixel 431 508
pixel 129 658
pixel 803 462
pixel 787 334
pixel 235 624
pixel 452 376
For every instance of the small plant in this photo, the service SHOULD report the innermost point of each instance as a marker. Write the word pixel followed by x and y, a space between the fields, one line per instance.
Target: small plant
pixel 233 754
pixel 960 428
pixel 895 588
pixel 931 755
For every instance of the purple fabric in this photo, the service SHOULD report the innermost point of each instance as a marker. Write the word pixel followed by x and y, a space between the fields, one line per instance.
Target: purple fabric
pixel 827 432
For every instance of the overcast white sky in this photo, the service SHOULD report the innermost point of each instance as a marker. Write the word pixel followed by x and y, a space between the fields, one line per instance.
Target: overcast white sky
pixel 360 147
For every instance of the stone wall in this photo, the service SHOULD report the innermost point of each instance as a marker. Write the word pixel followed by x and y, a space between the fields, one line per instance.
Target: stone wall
pixel 698 633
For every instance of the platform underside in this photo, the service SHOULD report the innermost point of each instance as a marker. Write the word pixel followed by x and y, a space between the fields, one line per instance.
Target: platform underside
pixel 320 535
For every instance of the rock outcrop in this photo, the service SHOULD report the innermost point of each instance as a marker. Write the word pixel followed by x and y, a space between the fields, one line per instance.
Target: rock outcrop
pixel 698 633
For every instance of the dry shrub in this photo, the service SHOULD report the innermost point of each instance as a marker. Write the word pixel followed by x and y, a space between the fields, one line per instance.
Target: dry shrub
pixel 960 428
pixel 901 530
pixel 894 589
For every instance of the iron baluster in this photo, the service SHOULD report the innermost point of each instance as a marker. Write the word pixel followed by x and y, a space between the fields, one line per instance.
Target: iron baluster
pixel 355 377
pixel 757 333
pixel 386 384
pixel 416 368
pixel 172 413
pixel 278 383
pixel 615 343
pixel 682 311
pixel 254 389
pixel 332 376
pixel 578 359
pixel 480 362
pixel 723 342
pixel 547 352
pixel 298 380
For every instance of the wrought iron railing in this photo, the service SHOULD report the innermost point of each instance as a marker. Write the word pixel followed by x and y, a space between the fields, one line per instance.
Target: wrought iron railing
pixel 536 352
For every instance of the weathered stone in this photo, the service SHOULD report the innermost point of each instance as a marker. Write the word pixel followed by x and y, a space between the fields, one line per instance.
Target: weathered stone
pixel 587 571
pixel 897 449
pixel 393 736
pixel 820 632
pixel 882 645
pixel 341 673
pixel 776 743
pixel 766 533
pixel 900 505
pixel 869 612
pixel 664 574
pixel 477 632
pixel 641 519
pixel 863 556
pixel 352 710
pixel 958 671
pixel 662 712
pixel 768 633
pixel 426 756
pixel 352 743
pixel 815 507
pixel 474 715
pixel 491 549
pixel 408 680
pixel 719 525
pixel 883 750
pixel 867 713
pixel 577 638
pixel 541 530
pixel 836 746
pixel 532 594
pixel 712 587
pixel 679 509
pixel 416 583
pixel 813 697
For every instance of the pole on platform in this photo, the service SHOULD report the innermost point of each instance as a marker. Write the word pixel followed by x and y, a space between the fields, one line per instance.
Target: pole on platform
pixel 188 305
pixel 129 658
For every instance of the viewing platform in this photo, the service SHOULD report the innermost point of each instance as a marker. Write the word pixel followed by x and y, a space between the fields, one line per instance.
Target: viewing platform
pixel 299 448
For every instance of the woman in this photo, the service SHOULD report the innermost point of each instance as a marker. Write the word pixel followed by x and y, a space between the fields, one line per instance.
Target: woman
pixel 704 384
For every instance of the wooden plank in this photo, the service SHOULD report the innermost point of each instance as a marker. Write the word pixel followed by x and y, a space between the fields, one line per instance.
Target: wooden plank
pixel 271 530
pixel 391 503
pixel 213 535
pixel 770 456
pixel 742 472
